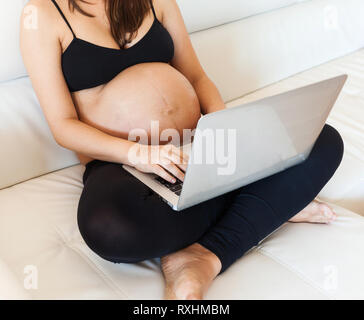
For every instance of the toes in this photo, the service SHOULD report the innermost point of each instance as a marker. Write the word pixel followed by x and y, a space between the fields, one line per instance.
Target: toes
pixel 324 214
pixel 316 212
pixel 327 213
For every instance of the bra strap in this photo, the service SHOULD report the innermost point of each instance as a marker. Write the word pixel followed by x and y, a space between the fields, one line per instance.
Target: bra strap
pixel 63 16
pixel 151 4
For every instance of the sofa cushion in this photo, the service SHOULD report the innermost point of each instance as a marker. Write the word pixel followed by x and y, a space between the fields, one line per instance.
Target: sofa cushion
pixel 38 227
pixel 27 145
pixel 216 12
pixel 11 288
pixel 255 52
pixel 11 65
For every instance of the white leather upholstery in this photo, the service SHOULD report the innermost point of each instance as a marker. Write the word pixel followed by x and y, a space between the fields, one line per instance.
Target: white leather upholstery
pixel 38 225
pixel 255 52
pixel 11 65
pixel 297 261
pixel 11 288
pixel 214 13
pixel 28 143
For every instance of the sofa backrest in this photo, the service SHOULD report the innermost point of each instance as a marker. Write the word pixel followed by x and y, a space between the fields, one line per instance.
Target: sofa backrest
pixel 203 14
pixel 215 12
pixel 248 54
pixel 11 66
pixel 243 46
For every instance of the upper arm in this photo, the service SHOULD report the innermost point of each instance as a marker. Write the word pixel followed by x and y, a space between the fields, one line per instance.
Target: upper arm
pixel 41 51
pixel 185 59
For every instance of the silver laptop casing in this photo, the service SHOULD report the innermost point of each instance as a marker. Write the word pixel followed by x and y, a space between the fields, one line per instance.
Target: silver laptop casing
pixel 271 135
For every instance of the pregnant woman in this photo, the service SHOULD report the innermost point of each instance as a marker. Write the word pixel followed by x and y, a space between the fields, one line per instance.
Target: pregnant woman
pixel 103 68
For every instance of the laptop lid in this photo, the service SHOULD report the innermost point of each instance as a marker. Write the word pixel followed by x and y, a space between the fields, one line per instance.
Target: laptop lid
pixel 240 145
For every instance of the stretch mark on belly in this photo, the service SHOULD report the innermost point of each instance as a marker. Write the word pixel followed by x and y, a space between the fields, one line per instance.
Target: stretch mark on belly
pixel 166 106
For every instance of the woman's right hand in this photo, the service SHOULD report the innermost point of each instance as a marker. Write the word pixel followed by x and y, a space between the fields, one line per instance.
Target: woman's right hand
pixel 166 161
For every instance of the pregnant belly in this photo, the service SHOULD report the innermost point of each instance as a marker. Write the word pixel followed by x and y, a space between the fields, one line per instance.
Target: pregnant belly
pixel 142 97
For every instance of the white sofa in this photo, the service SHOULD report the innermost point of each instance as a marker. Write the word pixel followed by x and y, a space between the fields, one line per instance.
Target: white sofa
pixel 251 49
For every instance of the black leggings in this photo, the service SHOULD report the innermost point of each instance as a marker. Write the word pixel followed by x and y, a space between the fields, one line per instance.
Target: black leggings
pixel 122 220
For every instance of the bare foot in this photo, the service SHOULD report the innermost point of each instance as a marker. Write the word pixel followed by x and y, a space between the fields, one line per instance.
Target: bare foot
pixel 315 212
pixel 189 272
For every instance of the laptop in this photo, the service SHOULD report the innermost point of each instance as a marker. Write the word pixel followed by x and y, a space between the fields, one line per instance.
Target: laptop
pixel 237 146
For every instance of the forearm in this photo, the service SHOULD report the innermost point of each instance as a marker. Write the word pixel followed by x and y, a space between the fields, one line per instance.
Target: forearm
pixel 87 140
pixel 208 95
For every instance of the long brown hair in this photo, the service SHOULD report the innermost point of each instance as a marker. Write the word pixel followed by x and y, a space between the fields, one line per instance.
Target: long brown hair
pixel 125 16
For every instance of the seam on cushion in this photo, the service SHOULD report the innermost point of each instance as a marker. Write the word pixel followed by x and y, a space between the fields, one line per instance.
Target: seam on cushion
pixel 102 274
pixel 108 281
pixel 296 271
pixel 39 176
pixel 96 269
pixel 259 252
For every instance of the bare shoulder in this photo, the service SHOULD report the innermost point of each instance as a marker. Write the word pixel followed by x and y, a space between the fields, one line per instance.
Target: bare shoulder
pixel 164 3
pixel 165 7
pixel 39 30
pixel 40 16
pixel 44 8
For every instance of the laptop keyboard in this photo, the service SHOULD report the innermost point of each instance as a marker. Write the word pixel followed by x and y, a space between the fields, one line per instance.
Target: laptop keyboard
pixel 174 187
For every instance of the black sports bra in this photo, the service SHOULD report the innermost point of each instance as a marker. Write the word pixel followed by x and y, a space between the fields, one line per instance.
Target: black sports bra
pixel 86 65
